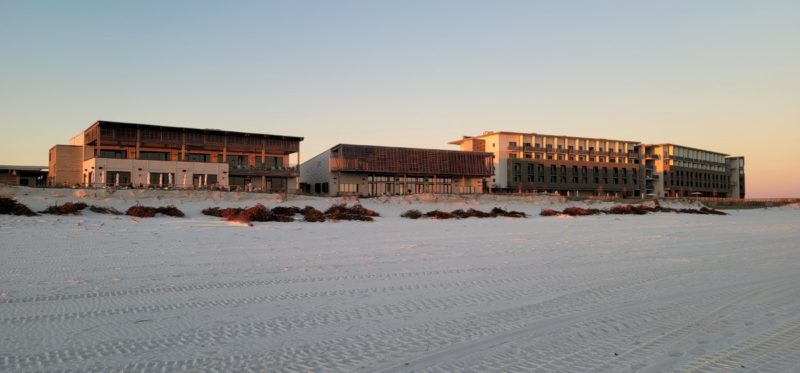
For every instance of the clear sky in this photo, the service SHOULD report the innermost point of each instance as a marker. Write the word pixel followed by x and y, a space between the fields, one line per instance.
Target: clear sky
pixel 722 75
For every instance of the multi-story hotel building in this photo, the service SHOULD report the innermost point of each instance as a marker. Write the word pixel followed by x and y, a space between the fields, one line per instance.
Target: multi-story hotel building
pixel 681 171
pixel 581 166
pixel 143 155
pixel 568 165
pixel 366 170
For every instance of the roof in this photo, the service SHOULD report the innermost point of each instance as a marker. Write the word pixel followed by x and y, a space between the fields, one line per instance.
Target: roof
pixel 23 168
pixel 213 130
pixel 690 148
pixel 490 133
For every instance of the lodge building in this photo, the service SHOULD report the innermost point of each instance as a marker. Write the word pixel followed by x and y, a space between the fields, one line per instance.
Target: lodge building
pixel 143 155
pixel 366 170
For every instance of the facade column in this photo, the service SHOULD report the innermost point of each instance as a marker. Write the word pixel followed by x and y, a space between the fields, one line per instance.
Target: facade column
pixel 183 149
pixel 297 168
pixel 138 142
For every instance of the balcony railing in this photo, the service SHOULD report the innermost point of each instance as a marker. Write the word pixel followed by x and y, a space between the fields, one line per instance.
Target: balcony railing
pixel 274 171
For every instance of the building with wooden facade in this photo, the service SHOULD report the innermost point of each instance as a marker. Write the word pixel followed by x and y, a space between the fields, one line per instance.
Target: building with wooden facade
pixel 365 170
pixel 143 155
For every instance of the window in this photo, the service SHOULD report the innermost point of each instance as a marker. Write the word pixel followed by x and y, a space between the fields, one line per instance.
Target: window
pixel 348 188
pixel 162 178
pixel 118 178
pixel 194 157
pixel 116 154
pixel 154 156
pixel 237 160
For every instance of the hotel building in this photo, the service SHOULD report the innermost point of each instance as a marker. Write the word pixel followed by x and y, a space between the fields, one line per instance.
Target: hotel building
pixel 681 171
pixel 144 155
pixel 568 165
pixel 582 166
pixel 365 170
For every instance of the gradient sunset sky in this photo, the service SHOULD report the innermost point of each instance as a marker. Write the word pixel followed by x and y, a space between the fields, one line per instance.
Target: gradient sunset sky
pixel 718 75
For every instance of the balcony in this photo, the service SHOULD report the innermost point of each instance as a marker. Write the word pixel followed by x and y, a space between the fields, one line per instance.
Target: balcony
pixel 269 171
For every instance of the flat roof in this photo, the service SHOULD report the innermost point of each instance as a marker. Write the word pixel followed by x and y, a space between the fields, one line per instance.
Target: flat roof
pixel 490 133
pixel 23 168
pixel 689 147
pixel 407 148
pixel 283 137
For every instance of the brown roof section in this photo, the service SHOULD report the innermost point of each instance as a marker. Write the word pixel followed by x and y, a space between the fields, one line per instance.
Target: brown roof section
pixel 409 161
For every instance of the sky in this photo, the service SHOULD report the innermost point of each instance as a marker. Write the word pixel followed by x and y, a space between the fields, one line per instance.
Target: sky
pixel 722 75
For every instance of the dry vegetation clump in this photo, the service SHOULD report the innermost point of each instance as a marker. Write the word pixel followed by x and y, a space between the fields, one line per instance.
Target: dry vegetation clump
pixel 411 214
pixel 170 211
pixel 10 206
pixel 313 215
pixel 212 211
pixel 149 212
pixel 281 218
pixel 461 214
pixel 104 210
pixel 629 210
pixel 578 211
pixel 222 213
pixel 508 214
pixel 357 212
pixel 363 211
pixel 68 208
pixel 549 212
pixel 285 211
pixel 436 214
pixel 140 211
pixel 472 213
pixel 250 214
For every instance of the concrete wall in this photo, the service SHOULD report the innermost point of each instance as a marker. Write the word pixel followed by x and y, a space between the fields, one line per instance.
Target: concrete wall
pixel 140 171
pixel 736 188
pixel 317 170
